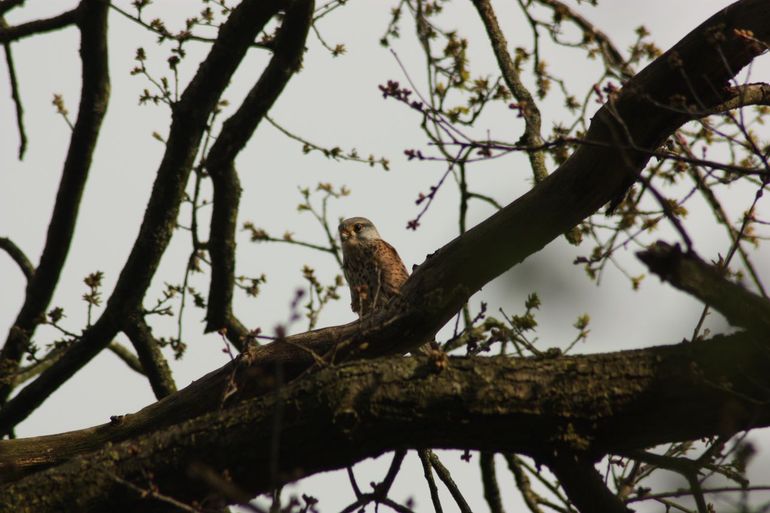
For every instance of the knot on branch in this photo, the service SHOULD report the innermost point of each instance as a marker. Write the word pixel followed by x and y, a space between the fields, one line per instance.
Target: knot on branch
pixel 662 258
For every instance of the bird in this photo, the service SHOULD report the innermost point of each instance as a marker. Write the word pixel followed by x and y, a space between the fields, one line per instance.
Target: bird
pixel 372 267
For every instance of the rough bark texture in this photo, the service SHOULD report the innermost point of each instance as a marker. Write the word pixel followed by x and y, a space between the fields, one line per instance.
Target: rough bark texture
pixel 589 405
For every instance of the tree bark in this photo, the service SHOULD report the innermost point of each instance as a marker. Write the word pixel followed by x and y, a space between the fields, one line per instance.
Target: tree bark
pixel 591 405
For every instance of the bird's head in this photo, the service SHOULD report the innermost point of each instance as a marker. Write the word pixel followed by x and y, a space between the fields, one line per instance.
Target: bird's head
pixel 356 230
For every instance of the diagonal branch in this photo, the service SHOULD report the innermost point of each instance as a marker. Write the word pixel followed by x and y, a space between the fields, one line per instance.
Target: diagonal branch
pixel 446 478
pixel 583 484
pixel 153 362
pixel 528 495
pixel 427 469
pixel 7 5
pixel 18 256
pixel 188 124
pixel 531 113
pixel 127 357
pixel 220 162
pixel 93 106
pixel 610 53
pixel 742 96
pixel 687 272
pixel 591 177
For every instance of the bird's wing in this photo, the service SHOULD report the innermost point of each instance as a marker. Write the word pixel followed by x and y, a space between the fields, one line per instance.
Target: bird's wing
pixel 391 266
pixel 355 300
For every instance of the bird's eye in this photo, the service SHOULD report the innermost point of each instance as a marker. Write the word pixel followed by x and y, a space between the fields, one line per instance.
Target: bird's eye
pixel 357 227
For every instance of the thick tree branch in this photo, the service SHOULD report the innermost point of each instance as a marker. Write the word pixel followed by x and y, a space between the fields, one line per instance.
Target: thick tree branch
pixel 93 106
pixel 687 272
pixel 220 162
pixel 592 405
pixel 187 127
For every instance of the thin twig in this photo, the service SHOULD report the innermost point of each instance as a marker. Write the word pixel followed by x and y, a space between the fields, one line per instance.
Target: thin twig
pixel 489 481
pixel 424 455
pixel 446 478
pixel 529 109
pixel 15 94
pixel 149 492
pixel 127 356
pixel 18 256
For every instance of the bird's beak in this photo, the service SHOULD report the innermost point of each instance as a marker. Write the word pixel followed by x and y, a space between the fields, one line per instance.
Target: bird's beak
pixel 344 235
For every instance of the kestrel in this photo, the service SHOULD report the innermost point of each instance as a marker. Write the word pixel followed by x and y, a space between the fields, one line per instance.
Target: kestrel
pixel 372 267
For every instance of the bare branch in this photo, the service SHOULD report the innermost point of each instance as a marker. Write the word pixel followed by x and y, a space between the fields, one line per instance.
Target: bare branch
pixel 18 256
pixel 153 362
pixel 489 481
pixel 93 105
pixel 188 124
pixel 686 271
pixel 7 5
pixel 428 471
pixel 15 93
pixel 529 109
pixel 126 356
pixel 366 408
pixel 222 486
pixel 583 484
pixel 686 467
pixel 152 493
pixel 446 478
pixel 610 53
pixel 14 33
pixel 742 96
pixel 165 34
pixel 531 499
pixel 220 162
pixel 380 493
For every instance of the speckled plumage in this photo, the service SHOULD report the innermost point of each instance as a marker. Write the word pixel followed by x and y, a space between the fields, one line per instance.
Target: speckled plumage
pixel 372 267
